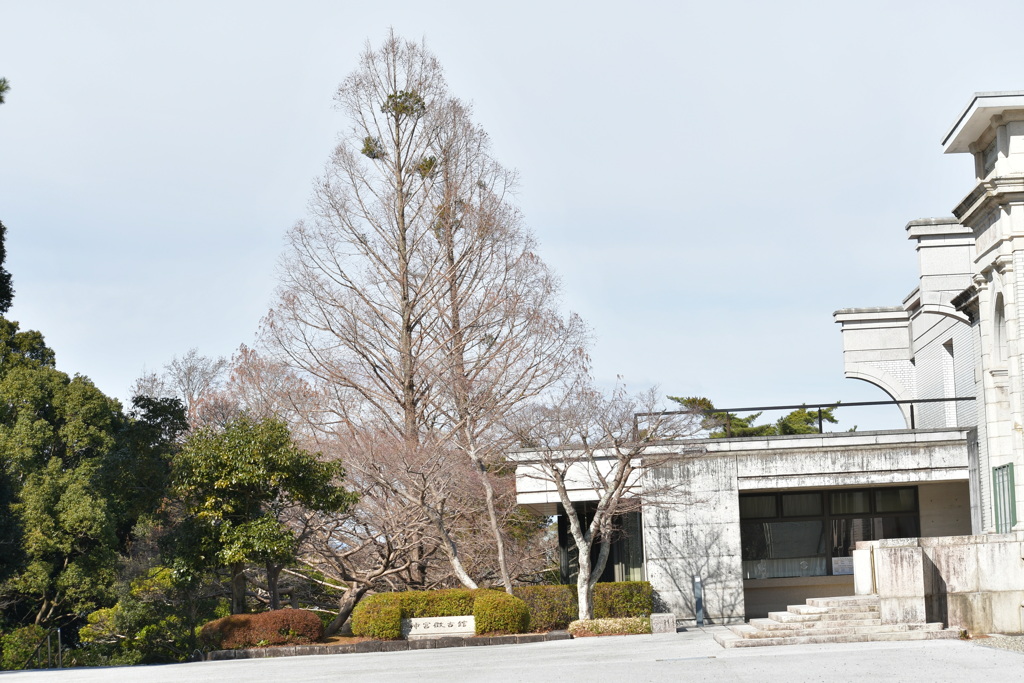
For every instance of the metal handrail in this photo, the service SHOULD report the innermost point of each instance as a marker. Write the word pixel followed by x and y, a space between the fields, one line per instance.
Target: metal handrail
pixel 806 406
pixel 49 653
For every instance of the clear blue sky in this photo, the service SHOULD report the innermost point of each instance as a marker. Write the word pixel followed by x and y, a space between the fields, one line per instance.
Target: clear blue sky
pixel 710 180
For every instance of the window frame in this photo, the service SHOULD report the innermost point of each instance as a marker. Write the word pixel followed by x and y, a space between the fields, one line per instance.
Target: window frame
pixel 827 517
pixel 1004 499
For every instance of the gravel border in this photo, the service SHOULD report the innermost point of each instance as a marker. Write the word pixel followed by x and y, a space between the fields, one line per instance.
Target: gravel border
pixel 999 642
pixel 385 646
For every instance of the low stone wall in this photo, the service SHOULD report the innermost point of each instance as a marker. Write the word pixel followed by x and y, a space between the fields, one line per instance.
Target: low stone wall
pixel 974 583
pixel 384 646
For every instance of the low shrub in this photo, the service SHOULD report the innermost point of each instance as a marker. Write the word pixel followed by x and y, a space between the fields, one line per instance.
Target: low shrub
pixel 453 602
pixel 623 599
pixel 18 646
pixel 380 616
pixel 551 607
pixel 498 612
pixel 278 627
pixel 610 627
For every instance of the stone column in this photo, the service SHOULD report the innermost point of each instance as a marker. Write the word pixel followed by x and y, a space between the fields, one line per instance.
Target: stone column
pixel 863 569
pixel 899 578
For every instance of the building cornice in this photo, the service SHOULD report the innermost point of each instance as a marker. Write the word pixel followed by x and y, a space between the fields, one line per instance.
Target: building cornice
pixel 990 194
pixel 977 117
pixel 967 303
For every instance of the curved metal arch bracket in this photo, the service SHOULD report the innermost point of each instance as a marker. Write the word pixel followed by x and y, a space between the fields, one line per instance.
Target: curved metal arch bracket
pixel 887 383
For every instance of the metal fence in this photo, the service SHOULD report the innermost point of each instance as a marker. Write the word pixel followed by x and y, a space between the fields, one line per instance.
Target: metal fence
pixel 819 407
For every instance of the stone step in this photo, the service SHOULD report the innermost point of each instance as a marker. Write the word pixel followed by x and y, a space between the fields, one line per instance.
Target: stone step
pixel 730 639
pixel 844 601
pixel 806 609
pixel 832 609
pixel 787 617
pixel 772 625
pixel 753 632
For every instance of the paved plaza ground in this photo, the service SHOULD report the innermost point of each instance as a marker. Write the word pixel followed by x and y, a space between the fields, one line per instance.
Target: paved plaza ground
pixel 689 656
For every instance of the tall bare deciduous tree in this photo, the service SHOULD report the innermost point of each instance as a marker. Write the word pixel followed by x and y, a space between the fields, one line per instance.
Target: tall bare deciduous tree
pixel 196 380
pixel 413 295
pixel 586 443
pixel 501 340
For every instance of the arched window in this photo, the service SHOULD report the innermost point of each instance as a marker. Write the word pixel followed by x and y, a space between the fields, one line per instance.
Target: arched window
pixel 999 332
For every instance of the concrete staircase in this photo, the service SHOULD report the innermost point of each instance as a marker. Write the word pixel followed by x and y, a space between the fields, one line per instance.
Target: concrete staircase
pixel 827 620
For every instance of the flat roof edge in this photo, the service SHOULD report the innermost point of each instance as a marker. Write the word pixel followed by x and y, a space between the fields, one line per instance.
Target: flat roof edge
pixel 963 120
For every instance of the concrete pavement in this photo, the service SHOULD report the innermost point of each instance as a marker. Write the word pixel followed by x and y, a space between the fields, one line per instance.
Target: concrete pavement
pixel 692 655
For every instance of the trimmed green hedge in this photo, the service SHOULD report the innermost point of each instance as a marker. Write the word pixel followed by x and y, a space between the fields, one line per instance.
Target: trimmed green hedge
pixel 552 608
pixel 623 599
pixel 380 616
pixel 498 612
pixel 547 608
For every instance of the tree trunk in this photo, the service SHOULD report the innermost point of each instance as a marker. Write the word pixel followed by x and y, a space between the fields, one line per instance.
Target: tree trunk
pixel 238 604
pixel 41 614
pixel 273 574
pixel 584 589
pixel 492 517
pixel 345 606
pixel 451 550
pixel 417 568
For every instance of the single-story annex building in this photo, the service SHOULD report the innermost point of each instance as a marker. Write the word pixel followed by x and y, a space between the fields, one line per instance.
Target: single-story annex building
pixel 772 521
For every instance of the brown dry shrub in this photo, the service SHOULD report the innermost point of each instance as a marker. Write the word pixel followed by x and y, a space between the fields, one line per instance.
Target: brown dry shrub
pixel 280 627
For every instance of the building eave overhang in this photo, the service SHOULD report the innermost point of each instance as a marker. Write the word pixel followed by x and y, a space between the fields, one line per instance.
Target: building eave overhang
pixel 976 117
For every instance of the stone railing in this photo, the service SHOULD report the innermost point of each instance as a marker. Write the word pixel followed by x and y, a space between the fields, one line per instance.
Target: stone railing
pixel 975 583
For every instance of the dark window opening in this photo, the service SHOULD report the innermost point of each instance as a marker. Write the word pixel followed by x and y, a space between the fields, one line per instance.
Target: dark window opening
pixel 814 533
pixel 625 558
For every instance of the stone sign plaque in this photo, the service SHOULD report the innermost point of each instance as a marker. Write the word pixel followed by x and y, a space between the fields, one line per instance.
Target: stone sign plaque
pixel 436 627
pixel 842 565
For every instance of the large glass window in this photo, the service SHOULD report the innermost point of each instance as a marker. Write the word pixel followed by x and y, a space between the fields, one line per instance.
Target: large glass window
pixel 626 560
pixel 1004 501
pixel 813 533
pixel 773 549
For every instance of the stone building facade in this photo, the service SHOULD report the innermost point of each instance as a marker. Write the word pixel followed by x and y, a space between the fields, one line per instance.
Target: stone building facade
pixel 959 334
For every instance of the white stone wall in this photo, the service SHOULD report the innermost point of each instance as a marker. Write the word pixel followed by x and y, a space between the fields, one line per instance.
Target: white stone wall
pixel 699 537
pixel 975 583
pixel 944 508
pixel 944 375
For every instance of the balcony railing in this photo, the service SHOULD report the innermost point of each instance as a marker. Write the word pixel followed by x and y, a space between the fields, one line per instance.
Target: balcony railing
pixel 806 406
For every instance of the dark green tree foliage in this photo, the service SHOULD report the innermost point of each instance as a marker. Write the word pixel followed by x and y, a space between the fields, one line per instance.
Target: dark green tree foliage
pixel 6 284
pixel 237 485
pixel 722 425
pixel 54 434
pixel 6 288
pixel 19 646
pixel 803 421
pixel 150 623
pixel 76 474
pixel 136 473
